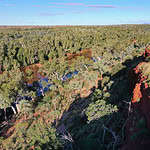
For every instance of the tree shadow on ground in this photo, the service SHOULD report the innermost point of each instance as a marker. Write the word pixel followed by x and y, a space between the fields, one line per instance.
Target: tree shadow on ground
pixel 90 123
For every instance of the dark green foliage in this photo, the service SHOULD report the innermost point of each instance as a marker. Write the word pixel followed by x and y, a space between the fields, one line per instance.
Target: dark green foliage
pixel 33 134
pixel 95 122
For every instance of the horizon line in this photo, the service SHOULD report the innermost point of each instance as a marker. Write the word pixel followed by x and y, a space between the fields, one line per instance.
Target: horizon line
pixel 30 25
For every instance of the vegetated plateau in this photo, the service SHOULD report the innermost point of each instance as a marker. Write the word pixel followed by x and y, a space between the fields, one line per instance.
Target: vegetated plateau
pixel 74 87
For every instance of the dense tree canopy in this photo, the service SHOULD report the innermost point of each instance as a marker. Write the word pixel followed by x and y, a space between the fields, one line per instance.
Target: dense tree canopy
pixel 85 102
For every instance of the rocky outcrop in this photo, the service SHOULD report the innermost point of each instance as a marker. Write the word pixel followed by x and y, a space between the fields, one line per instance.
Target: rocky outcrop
pixel 138 124
pixel 147 51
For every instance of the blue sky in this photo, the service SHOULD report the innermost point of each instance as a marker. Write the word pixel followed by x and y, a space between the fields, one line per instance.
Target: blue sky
pixel 75 12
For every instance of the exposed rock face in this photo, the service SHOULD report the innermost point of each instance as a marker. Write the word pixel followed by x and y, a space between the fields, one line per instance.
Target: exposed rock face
pixel 138 123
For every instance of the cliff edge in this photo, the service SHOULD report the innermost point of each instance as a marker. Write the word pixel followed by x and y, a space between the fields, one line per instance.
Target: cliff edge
pixel 138 124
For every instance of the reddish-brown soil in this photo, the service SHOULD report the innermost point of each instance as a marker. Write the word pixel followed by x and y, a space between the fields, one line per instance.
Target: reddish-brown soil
pixel 35 73
pixel 87 53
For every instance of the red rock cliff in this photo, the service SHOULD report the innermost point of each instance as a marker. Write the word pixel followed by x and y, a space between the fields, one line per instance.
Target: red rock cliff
pixel 138 124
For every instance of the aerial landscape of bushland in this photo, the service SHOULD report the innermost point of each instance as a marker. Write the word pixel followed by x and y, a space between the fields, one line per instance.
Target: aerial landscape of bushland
pixel 75 87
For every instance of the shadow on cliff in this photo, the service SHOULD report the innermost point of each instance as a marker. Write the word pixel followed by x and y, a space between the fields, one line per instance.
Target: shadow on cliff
pixel 105 132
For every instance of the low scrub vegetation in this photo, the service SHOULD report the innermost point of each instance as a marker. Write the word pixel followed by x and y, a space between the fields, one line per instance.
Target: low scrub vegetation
pixel 88 109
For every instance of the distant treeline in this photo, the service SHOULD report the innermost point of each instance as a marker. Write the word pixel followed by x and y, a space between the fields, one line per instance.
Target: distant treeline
pixel 25 47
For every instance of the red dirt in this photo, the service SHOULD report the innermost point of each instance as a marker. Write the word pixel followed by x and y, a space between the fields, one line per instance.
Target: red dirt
pixel 87 53
pixel 35 73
